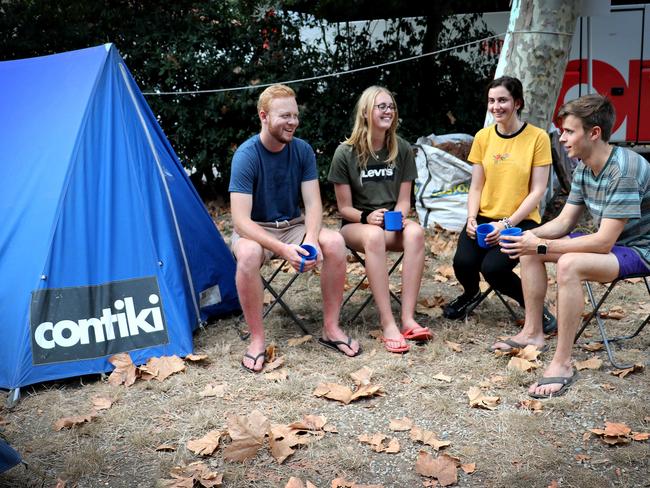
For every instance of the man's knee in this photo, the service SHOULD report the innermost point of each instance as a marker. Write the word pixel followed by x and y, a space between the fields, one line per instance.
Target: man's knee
pixel 332 244
pixel 249 255
pixel 567 268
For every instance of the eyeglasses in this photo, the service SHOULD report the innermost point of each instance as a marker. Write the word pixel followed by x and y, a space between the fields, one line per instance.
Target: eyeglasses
pixel 385 107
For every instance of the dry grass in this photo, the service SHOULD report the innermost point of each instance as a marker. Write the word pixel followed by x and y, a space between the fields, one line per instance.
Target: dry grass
pixel 511 446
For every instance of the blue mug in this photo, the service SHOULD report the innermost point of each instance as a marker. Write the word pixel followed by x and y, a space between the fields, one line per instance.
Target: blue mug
pixel 313 254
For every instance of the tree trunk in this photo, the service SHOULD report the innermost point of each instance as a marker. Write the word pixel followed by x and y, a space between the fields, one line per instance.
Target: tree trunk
pixel 536 50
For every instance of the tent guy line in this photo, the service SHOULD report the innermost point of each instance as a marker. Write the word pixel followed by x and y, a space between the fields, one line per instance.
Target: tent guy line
pixel 330 75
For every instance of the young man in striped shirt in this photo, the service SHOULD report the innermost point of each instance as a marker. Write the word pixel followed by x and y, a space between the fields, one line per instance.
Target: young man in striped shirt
pixel 613 183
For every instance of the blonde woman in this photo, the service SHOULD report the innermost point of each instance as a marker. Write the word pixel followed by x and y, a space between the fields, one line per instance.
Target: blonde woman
pixel 373 172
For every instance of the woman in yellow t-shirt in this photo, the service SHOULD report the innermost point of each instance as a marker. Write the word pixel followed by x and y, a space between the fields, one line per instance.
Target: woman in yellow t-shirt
pixel 511 161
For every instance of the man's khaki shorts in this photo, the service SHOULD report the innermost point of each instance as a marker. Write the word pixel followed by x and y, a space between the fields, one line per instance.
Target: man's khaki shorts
pixel 286 231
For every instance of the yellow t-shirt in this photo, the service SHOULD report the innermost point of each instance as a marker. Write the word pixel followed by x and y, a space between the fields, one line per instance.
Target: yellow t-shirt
pixel 508 165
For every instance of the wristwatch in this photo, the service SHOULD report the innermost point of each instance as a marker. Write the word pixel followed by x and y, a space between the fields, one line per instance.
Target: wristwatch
pixel 542 247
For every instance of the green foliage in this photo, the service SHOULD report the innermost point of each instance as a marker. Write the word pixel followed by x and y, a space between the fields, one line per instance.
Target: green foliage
pixel 202 45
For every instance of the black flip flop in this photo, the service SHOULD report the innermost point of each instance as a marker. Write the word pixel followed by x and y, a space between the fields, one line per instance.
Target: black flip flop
pixel 334 345
pixel 565 381
pixel 255 359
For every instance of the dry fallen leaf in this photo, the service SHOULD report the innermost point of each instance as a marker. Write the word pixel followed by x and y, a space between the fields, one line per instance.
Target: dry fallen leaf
pixel 400 425
pixel 297 483
pixel 276 363
pixel 432 302
pixel 277 376
pixel 454 346
pixel 247 434
pixel 343 394
pixel 166 448
pixel 593 346
pixel 529 353
pixel 125 371
pixel 190 475
pixel 377 442
pixel 68 422
pixel 592 363
pixel 310 422
pixel 428 437
pixel 294 483
pixel 296 341
pixel 362 376
pixel 614 433
pixel 521 364
pixel 478 400
pixel 206 445
pixel 162 367
pixel 533 405
pixel 442 377
pixel 616 313
pixel 446 270
pixel 101 403
pixel 468 468
pixel 443 468
pixel 622 373
pixel 212 390
pixel 195 358
pixel 343 483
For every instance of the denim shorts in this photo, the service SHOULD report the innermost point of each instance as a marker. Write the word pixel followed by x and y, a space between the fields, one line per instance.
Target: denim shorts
pixel 629 261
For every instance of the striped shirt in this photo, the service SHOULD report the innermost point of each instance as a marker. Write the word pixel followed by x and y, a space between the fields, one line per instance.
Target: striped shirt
pixel 620 191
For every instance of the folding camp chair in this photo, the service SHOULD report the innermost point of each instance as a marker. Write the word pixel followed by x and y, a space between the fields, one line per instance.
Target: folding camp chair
pixel 361 260
pixel 277 299
pixel 595 313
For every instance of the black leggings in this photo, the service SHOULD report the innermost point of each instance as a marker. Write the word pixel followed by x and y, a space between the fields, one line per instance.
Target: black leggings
pixel 495 266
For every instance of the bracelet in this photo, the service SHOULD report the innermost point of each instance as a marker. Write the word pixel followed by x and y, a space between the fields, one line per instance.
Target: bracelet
pixel 364 216
pixel 506 221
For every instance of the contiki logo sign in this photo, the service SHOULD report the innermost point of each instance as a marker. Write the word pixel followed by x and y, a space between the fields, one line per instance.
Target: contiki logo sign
pixel 69 324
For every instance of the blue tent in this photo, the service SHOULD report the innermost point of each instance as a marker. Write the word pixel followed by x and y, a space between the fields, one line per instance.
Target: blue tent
pixel 105 246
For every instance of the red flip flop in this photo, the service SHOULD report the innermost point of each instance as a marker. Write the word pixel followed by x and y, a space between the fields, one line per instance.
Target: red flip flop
pixel 395 345
pixel 420 334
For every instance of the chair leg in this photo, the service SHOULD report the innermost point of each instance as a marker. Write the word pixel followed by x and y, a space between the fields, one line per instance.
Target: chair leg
pixel 605 340
pixel 365 277
pixel 507 305
pixel 278 300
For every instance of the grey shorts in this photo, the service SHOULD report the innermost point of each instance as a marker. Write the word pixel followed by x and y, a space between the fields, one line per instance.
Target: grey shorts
pixel 286 231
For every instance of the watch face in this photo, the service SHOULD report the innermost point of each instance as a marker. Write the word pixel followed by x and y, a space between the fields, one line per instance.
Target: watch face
pixel 541 248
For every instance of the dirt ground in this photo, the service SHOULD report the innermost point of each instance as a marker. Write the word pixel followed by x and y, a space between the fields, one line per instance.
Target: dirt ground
pixel 511 445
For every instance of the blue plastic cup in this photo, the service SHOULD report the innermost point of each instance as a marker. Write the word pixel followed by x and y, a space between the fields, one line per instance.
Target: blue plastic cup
pixel 482 231
pixel 313 254
pixel 512 231
pixel 393 220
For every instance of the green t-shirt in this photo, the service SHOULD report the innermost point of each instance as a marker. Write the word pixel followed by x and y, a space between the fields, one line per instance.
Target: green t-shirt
pixel 378 185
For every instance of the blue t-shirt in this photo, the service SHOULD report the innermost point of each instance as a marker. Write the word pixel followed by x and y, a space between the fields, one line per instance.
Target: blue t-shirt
pixel 273 179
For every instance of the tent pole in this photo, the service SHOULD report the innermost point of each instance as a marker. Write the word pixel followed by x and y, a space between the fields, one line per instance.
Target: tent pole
pixel 13 398
pixel 169 197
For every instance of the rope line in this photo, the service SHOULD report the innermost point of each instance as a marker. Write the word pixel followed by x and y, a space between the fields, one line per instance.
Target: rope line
pixel 330 75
